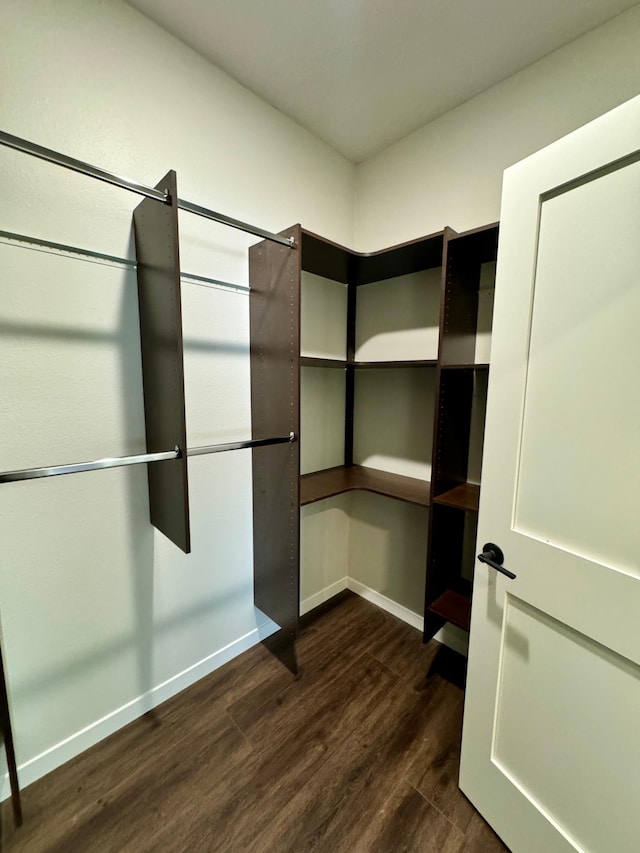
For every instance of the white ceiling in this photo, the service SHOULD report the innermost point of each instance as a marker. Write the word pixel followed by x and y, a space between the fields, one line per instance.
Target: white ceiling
pixel 361 74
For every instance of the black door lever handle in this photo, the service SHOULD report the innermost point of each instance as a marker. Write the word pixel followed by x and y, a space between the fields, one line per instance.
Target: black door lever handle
pixel 493 556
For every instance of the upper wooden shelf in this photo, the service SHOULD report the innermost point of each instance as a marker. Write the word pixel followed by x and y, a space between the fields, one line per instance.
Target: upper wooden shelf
pixel 378 364
pixel 468 366
pixel 330 260
pixel 336 481
pixel 466 496
pixel 313 361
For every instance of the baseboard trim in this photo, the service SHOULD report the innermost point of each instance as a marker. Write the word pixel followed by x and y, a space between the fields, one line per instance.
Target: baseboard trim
pixel 92 734
pixel 82 740
pixel 325 594
pixel 384 603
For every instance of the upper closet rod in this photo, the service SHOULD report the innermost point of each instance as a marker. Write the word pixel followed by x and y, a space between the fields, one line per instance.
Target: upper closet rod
pixel 103 175
pixel 119 461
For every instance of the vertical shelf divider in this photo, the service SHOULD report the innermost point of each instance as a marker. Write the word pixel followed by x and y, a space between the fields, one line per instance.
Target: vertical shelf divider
pixel 274 310
pixel 158 269
pixel 350 379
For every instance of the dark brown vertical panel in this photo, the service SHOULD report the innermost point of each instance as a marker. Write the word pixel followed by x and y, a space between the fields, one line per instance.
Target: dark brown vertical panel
pixel 448 235
pixel 351 373
pixel 460 306
pixel 156 238
pixel 464 257
pixel 274 308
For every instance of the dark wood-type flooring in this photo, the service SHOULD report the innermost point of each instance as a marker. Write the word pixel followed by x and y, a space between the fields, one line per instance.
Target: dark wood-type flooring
pixel 359 753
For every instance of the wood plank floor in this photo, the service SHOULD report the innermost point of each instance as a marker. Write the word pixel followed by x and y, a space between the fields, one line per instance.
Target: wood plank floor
pixel 359 753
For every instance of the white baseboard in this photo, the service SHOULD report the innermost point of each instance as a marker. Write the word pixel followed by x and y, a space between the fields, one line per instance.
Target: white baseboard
pixel 384 603
pixel 82 740
pixel 325 594
pixel 67 749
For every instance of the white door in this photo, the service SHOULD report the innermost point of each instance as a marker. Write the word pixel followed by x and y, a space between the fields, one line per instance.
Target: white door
pixel 551 742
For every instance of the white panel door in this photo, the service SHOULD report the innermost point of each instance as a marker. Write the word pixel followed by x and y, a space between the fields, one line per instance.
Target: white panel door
pixel 551 741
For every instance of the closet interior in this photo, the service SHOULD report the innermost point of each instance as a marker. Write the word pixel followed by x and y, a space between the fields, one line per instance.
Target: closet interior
pixel 378 362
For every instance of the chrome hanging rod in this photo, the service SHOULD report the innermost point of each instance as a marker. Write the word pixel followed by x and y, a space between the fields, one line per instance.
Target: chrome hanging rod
pixel 234 223
pixel 12 237
pixel 66 162
pixel 137 459
pixel 79 166
pixel 240 445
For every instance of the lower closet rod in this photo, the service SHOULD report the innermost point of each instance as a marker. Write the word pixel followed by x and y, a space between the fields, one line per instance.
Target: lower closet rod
pixel 119 461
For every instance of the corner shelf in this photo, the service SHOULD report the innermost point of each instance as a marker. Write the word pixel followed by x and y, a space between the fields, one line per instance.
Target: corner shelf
pixel 465 496
pixel 335 481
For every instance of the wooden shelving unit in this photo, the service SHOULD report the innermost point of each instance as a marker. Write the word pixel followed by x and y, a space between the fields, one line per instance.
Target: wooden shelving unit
pixel 446 356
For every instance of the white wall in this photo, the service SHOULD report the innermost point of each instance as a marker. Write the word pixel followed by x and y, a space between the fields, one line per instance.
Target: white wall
pixel 102 617
pixel 450 171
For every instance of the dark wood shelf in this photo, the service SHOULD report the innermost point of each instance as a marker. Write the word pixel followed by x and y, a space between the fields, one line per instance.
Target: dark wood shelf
pixel 454 607
pixel 312 361
pixel 336 481
pixel 370 365
pixel 466 496
pixel 468 366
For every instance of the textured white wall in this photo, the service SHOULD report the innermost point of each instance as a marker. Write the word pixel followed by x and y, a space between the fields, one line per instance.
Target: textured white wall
pixel 98 610
pixel 450 171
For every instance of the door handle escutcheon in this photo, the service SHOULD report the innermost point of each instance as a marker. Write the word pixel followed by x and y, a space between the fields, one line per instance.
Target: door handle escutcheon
pixel 492 555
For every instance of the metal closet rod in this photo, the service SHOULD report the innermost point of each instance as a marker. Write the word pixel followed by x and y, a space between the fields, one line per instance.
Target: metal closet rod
pixel 66 162
pixel 137 459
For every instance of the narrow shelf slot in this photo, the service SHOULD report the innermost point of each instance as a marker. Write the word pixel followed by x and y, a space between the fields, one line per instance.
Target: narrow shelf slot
pixel 454 607
pixel 335 481
pixel 466 496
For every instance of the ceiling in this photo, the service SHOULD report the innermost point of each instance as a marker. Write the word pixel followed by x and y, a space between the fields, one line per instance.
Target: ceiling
pixel 361 74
